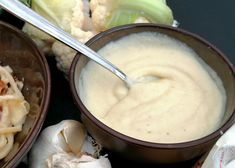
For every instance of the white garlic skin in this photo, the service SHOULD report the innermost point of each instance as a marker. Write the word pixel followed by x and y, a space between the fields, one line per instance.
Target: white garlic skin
pixel 65 160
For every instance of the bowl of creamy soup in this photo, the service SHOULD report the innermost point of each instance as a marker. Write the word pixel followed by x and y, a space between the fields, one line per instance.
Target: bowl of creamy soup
pixel 24 94
pixel 181 102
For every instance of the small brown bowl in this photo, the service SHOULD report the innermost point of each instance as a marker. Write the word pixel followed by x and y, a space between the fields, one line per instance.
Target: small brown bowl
pixel 156 152
pixel 28 64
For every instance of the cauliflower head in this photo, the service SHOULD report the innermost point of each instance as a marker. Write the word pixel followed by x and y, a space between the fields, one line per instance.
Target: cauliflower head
pixel 83 19
pixel 72 16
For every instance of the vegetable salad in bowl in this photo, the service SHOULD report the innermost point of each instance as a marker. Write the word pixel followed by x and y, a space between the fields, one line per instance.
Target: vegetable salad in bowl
pixel 13 109
pixel 24 94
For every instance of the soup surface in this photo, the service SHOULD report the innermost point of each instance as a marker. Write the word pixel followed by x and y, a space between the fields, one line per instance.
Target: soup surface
pixel 176 96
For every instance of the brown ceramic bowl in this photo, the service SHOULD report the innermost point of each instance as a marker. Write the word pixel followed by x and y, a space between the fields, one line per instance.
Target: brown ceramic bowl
pixel 28 63
pixel 156 152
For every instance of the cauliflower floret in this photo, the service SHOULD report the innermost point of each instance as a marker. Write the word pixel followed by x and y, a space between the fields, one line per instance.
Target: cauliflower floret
pixel 64 56
pixel 59 12
pixel 61 19
pixel 75 19
pixel 82 36
pixel 100 10
pixel 81 24
pixel 81 16
pixel 81 29
pixel 44 42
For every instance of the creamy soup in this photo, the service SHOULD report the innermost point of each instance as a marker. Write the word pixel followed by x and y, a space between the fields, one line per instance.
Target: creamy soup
pixel 176 96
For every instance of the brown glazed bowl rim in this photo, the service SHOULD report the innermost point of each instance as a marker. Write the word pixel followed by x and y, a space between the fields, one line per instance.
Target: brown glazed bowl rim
pixel 33 133
pixel 131 140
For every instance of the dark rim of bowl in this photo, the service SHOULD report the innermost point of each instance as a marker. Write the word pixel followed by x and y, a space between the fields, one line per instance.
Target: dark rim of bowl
pixel 34 131
pixel 131 140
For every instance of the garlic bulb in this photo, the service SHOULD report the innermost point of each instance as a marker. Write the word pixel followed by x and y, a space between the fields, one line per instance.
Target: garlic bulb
pixel 69 140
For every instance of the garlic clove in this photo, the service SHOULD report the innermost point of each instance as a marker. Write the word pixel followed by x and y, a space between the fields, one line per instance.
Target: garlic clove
pixel 74 136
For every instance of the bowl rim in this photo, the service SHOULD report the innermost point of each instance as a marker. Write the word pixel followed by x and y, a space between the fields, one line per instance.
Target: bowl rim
pixel 131 140
pixel 34 131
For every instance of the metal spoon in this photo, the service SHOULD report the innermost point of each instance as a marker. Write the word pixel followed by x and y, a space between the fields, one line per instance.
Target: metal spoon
pixel 23 12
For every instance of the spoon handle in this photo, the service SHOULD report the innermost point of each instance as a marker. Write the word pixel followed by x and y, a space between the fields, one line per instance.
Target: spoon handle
pixel 23 12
